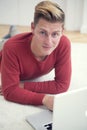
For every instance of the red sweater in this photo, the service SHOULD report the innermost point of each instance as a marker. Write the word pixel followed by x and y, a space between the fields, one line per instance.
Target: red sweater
pixel 18 64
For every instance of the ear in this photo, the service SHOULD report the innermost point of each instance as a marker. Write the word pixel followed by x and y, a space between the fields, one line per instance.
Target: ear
pixel 32 27
pixel 63 29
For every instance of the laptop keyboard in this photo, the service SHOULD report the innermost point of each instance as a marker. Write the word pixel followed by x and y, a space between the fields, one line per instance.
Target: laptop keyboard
pixel 48 126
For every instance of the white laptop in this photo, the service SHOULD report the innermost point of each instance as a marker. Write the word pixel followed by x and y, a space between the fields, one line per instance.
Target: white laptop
pixel 69 113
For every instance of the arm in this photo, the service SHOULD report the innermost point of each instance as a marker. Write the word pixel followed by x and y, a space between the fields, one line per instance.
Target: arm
pixel 32 93
pixel 13 89
pixel 62 73
pixel 10 78
pixel 48 100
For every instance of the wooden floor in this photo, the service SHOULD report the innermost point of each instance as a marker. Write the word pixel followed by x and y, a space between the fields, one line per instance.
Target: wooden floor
pixel 73 36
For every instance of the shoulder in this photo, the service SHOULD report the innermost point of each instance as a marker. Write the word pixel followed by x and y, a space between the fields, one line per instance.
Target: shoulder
pixel 64 40
pixel 64 46
pixel 64 43
pixel 17 40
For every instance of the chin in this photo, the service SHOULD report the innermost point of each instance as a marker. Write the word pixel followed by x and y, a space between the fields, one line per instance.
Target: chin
pixel 48 53
pixel 45 53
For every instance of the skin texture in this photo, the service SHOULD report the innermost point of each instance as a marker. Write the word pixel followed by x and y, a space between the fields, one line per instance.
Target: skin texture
pixel 48 34
pixel 48 101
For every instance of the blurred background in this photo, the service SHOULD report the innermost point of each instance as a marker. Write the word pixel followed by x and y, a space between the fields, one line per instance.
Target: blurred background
pixel 20 13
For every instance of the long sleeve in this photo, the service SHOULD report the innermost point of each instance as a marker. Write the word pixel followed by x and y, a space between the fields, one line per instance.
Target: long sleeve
pixel 18 64
pixel 10 76
pixel 62 72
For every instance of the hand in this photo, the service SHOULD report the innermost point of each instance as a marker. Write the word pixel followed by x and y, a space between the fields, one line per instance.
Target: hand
pixel 21 85
pixel 48 101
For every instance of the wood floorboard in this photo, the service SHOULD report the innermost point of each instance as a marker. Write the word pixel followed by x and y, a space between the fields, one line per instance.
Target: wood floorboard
pixel 74 36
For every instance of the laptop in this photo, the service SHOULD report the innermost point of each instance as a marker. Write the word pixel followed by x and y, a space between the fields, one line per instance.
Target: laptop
pixel 69 113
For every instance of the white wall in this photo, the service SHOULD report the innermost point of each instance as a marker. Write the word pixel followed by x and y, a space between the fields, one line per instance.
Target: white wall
pixel 84 18
pixel 20 12
pixel 74 12
pixel 8 12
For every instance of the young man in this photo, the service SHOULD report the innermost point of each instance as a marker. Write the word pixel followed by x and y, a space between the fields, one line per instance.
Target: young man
pixel 30 55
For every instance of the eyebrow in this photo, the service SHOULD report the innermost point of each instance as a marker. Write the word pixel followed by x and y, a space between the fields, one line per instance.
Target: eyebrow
pixel 42 29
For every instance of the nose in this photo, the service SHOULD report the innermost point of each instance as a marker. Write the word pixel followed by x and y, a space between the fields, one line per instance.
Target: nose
pixel 49 40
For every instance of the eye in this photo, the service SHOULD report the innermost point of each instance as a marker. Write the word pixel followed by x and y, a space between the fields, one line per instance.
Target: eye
pixel 55 34
pixel 43 33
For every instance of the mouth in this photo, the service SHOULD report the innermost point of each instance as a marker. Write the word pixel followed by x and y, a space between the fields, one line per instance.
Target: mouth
pixel 47 47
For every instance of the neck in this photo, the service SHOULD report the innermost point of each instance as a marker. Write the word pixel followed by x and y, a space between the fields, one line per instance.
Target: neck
pixel 40 58
pixel 36 54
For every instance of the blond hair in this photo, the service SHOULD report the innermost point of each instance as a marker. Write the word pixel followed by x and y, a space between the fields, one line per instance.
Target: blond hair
pixel 49 11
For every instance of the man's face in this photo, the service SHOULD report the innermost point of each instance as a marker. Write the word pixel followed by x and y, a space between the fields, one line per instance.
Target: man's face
pixel 46 37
